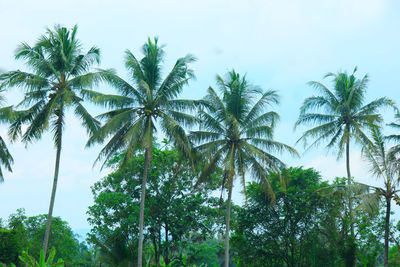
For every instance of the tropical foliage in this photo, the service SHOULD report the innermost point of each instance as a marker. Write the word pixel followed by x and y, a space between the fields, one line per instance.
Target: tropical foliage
pixel 158 203
pixel 23 235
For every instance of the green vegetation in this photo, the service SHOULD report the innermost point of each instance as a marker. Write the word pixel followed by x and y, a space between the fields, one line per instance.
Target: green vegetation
pixel 175 216
pixel 31 262
pixel 158 205
pixel 23 236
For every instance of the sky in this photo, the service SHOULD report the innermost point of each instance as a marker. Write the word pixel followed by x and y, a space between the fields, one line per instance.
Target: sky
pixel 279 45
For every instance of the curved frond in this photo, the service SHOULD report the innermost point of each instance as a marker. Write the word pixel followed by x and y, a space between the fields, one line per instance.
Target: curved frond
pixel 89 123
pixel 6 159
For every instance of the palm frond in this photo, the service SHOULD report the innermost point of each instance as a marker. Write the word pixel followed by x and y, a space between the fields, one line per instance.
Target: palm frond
pixel 89 123
pixel 113 101
pixel 270 97
pixel 174 131
pixel 28 81
pixel 6 159
pixel 176 79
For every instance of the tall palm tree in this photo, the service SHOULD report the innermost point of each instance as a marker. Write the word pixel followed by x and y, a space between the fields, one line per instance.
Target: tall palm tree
pixel 236 133
pixel 6 160
pixel 383 164
pixel 340 116
pixel 149 101
pixel 59 80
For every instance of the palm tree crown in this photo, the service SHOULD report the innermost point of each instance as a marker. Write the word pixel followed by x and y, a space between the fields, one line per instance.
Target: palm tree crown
pixel 237 134
pixel 60 79
pixel 344 114
pixel 148 100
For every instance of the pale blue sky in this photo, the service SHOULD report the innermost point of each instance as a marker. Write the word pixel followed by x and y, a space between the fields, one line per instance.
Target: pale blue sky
pixel 279 45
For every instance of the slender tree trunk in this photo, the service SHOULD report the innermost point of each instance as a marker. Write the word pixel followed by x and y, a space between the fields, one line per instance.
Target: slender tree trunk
pixel 53 191
pixel 159 246
pixel 352 235
pixel 166 246
pixel 349 182
pixel 348 160
pixel 228 220
pixel 387 220
pixel 156 251
pixel 147 158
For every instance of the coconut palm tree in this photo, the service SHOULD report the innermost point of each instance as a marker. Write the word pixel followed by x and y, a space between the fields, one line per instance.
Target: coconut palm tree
pixel 340 116
pixel 385 165
pixel 236 133
pixel 141 107
pixel 59 80
pixel 6 160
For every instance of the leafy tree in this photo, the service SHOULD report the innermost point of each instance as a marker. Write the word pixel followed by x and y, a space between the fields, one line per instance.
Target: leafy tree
pixel 10 247
pixel 394 256
pixel 344 117
pixel 85 256
pixel 29 233
pixel 59 81
pixel 150 99
pixel 31 230
pixel 205 253
pixel 369 227
pixel 385 165
pixel 175 216
pixel 293 231
pixel 370 230
pixel 236 133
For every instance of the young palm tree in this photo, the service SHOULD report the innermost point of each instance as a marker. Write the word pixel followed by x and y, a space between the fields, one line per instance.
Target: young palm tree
pixel 385 165
pixel 59 80
pixel 339 116
pixel 236 133
pixel 143 105
pixel 6 160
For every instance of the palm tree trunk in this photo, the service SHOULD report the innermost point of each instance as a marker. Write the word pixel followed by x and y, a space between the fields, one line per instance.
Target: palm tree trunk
pixel 166 258
pixel 349 182
pixel 352 235
pixel 387 220
pixel 228 220
pixel 348 160
pixel 147 158
pixel 53 191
